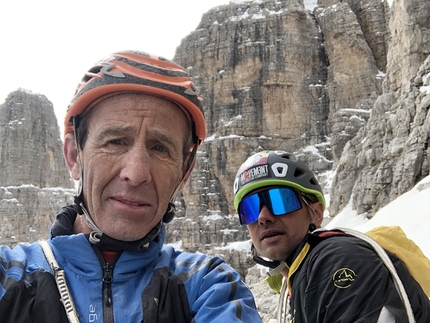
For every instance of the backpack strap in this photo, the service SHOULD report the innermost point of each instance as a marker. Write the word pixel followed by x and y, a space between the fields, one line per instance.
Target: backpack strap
pixel 60 279
pixel 390 266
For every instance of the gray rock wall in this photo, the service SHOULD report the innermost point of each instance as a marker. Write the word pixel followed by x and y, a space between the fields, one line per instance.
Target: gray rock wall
pixel 34 179
pixel 390 153
pixel 31 148
pixel 277 76
pixel 27 212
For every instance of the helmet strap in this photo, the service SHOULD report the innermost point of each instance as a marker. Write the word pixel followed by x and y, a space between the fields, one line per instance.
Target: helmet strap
pixel 259 260
pixel 277 270
pixel 76 122
pixel 312 226
pixel 171 209
pixel 170 213
pixel 79 198
pixel 104 241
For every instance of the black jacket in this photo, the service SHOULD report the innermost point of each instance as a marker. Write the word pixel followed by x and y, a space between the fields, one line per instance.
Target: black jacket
pixel 341 279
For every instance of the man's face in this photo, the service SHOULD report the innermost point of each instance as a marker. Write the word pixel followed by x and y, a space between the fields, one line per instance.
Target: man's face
pixel 277 237
pixel 132 163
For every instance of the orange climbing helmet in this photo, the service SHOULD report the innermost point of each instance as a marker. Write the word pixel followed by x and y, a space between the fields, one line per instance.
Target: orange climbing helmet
pixel 135 71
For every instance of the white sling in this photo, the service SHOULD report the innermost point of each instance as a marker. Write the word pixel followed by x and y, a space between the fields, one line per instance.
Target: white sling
pixel 60 279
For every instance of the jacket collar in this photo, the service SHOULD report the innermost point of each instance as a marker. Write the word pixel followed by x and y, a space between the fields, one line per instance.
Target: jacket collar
pixel 63 225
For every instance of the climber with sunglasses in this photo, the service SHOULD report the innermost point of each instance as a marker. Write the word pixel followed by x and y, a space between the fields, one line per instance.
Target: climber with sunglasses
pixel 322 276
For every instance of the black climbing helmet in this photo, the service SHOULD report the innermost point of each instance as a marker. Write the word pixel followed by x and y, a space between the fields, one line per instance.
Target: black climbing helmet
pixel 275 168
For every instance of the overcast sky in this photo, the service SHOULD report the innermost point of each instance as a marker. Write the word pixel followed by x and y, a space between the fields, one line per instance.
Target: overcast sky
pixel 47 45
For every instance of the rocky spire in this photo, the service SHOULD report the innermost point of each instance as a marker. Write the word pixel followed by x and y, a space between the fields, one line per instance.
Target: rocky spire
pixel 30 146
pixel 34 180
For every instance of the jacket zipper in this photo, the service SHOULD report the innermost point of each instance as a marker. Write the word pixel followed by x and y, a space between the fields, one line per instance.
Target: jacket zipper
pixel 107 279
pixel 107 293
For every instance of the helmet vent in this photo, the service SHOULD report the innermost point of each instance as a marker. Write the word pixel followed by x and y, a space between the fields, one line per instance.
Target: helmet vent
pixel 280 170
pixel 90 74
pixel 289 157
pixel 299 172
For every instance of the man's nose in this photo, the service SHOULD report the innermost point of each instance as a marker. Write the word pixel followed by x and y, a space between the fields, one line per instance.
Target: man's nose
pixel 265 216
pixel 136 166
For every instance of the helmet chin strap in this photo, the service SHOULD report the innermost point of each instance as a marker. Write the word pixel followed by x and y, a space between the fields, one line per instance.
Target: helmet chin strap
pixel 275 266
pixel 102 240
pixel 170 213
pixel 79 198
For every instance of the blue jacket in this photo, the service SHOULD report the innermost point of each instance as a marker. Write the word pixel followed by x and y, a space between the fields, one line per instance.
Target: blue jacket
pixel 160 285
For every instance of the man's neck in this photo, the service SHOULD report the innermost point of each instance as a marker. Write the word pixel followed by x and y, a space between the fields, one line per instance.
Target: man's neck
pixel 81 225
pixel 284 272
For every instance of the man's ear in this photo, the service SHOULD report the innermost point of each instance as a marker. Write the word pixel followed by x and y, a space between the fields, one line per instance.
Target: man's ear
pixel 70 152
pixel 319 213
pixel 188 167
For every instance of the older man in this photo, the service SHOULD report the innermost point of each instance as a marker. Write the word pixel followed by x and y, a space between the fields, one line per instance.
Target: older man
pixel 131 134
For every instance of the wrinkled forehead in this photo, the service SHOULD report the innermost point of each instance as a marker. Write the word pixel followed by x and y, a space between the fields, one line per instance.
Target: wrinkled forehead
pixel 127 95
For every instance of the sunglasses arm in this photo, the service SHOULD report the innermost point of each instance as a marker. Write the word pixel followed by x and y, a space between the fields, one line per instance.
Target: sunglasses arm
pixel 312 226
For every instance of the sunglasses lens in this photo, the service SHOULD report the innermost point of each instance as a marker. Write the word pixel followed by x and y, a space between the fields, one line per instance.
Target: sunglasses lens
pixel 249 209
pixel 283 200
pixel 278 200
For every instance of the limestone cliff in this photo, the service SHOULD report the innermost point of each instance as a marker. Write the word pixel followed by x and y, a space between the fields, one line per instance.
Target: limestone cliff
pixel 31 149
pixel 34 179
pixel 389 155
pixel 275 75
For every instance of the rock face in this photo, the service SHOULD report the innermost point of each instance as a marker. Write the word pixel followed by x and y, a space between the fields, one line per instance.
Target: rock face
pixel 262 70
pixel 31 149
pixel 34 180
pixel 354 80
pixel 275 75
pixel 27 212
pixel 389 155
pixel 409 29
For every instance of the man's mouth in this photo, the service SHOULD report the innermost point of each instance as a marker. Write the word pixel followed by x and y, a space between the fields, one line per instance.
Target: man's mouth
pixel 270 234
pixel 131 203
pixel 127 202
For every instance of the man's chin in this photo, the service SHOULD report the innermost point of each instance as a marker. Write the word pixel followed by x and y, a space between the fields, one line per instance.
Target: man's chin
pixel 276 256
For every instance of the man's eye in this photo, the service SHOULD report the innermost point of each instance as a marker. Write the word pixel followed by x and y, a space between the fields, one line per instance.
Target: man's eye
pixel 116 141
pixel 159 148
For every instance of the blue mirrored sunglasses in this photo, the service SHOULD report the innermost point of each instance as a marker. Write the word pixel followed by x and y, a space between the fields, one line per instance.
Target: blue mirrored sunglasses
pixel 279 201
